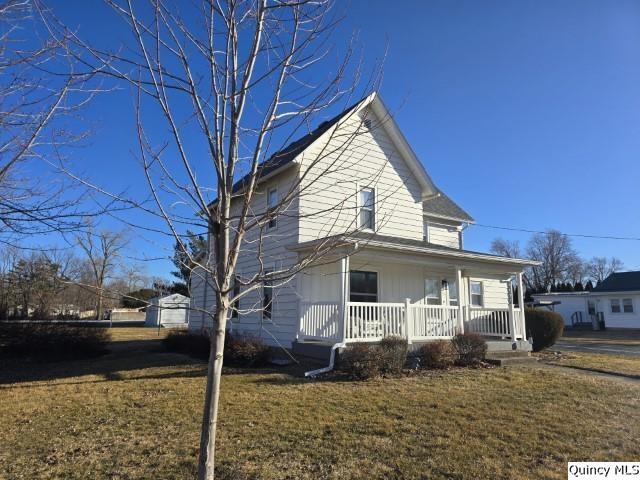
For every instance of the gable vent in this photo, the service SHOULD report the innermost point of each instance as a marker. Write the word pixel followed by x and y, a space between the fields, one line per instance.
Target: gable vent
pixel 368 123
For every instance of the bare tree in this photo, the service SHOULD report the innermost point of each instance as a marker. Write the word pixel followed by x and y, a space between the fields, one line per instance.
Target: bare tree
pixel 557 255
pixel 506 248
pixel 103 250
pixel 233 83
pixel 599 268
pixel 41 95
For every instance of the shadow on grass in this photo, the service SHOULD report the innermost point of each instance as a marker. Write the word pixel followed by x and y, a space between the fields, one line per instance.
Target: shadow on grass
pixel 127 356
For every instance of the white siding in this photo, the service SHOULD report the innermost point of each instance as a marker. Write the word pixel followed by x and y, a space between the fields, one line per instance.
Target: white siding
pixel 441 233
pixel 619 320
pixel 569 304
pixel 281 328
pixel 495 291
pixel 334 176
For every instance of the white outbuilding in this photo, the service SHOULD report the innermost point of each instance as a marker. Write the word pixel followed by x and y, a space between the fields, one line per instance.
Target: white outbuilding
pixel 168 311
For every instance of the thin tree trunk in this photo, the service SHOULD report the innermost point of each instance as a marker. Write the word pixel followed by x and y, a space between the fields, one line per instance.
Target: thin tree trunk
pixel 99 306
pixel 212 395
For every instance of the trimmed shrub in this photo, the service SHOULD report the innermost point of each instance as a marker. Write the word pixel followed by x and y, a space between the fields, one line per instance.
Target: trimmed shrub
pixel 393 354
pixel 52 341
pixel 245 351
pixel 239 350
pixel 365 360
pixel 360 361
pixel 470 347
pixel 438 354
pixel 192 344
pixel 544 326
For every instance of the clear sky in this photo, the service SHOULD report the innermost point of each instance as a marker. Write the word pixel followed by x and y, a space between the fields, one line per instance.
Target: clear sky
pixel 526 113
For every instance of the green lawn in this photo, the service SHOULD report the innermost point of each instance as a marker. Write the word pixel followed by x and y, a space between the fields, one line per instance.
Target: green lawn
pixel 135 413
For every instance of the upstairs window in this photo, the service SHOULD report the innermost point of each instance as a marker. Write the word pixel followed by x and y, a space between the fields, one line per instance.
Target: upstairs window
pixel 476 294
pixel 627 305
pixel 615 305
pixel 272 203
pixel 367 209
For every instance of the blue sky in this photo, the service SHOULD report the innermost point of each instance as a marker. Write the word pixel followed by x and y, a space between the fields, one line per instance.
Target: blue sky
pixel 526 113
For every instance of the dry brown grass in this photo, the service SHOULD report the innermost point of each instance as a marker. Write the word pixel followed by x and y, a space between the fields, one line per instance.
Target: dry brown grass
pixel 135 414
pixel 615 364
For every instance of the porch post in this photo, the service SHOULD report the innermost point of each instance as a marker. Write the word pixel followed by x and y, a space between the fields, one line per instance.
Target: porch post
pixel 521 305
pixel 344 294
pixel 408 320
pixel 461 297
pixel 512 313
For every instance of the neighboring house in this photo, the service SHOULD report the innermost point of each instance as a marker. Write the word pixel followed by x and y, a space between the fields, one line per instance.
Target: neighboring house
pixel 576 308
pixel 168 311
pixel 405 272
pixel 616 300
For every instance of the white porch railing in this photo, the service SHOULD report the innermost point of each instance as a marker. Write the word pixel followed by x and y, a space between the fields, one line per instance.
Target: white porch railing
pixel 374 321
pixel 370 322
pixel 493 322
pixel 432 322
pixel 320 321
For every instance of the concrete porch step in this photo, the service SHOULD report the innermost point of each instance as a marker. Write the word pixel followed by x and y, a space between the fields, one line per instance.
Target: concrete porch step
pixel 516 358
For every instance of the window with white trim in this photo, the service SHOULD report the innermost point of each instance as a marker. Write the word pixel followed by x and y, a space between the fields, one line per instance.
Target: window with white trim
pixel 432 291
pixel 476 291
pixel 627 305
pixel 363 286
pixel 452 286
pixel 367 208
pixel 272 203
pixel 615 305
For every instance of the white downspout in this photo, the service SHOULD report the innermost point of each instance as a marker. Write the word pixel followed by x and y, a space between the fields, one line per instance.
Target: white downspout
pixel 344 288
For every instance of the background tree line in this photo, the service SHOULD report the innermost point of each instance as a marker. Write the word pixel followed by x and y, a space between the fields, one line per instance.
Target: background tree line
pixel 83 282
pixel 562 268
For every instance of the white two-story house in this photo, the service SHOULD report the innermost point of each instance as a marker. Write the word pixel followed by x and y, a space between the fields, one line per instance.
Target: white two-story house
pixel 401 268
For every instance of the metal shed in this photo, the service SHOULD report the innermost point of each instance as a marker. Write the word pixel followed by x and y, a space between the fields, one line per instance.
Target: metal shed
pixel 168 311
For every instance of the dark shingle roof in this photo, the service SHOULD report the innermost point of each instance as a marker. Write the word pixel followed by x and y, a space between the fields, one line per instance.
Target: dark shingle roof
pixel 443 206
pixel 620 282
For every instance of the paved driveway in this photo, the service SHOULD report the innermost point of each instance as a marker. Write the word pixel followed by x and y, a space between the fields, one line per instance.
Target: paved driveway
pixel 612 342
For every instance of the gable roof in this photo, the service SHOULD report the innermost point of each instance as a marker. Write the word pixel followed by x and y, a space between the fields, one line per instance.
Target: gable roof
pixel 286 157
pixel 442 206
pixel 620 282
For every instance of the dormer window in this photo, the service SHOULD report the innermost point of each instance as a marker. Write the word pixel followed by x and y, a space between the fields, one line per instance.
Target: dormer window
pixel 367 209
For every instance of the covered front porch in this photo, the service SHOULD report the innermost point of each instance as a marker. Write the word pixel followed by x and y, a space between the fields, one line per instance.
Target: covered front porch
pixel 373 294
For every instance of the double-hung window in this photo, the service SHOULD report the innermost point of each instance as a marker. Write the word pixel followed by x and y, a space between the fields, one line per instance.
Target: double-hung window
pixel 477 299
pixel 272 203
pixel 615 305
pixel 363 286
pixel 432 291
pixel 367 208
pixel 452 285
pixel 627 305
